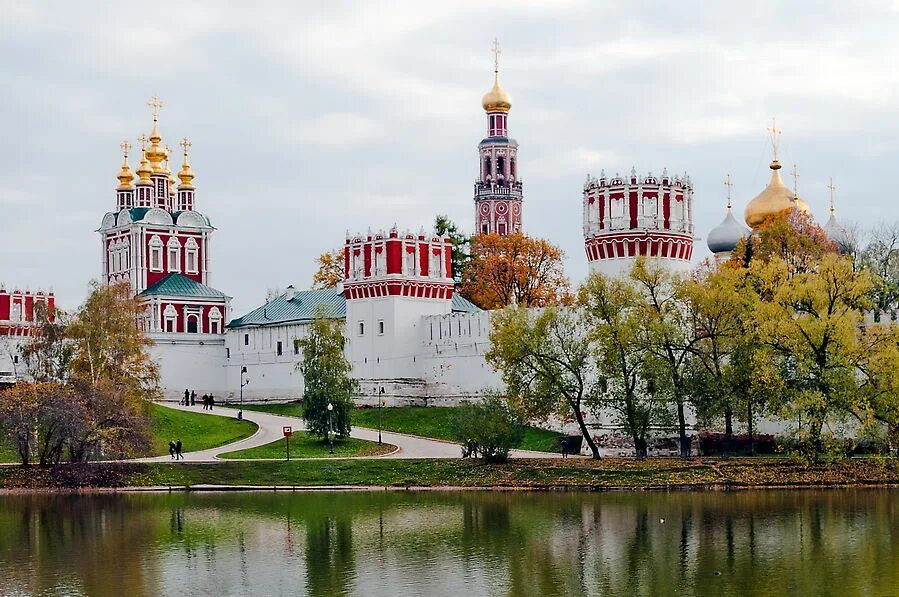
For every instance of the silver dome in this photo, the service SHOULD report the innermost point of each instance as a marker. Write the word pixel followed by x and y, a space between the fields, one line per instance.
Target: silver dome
pixel 724 237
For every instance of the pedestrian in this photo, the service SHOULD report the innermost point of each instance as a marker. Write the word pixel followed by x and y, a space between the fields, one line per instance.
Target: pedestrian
pixel 172 449
pixel 205 401
pixel 211 401
pixel 193 398
pixel 178 450
pixel 186 400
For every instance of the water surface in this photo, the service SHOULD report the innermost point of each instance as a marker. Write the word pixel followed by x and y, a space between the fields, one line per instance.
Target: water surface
pixel 461 543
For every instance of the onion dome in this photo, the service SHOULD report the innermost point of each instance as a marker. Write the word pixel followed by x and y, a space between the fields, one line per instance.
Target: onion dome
pixel 186 174
pixel 837 234
pixel 497 99
pixel 144 170
pixel 125 176
pixel 724 237
pixel 774 199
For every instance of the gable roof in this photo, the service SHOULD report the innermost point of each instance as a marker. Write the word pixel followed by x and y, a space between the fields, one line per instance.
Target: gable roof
pixel 178 285
pixel 304 305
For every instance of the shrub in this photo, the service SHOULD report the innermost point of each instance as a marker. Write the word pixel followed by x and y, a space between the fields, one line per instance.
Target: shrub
pixel 487 429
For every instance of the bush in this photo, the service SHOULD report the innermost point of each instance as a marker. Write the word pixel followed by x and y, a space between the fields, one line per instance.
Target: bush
pixel 488 429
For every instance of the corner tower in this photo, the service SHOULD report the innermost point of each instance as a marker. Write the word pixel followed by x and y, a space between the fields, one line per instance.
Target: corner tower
pixel 497 191
pixel 637 216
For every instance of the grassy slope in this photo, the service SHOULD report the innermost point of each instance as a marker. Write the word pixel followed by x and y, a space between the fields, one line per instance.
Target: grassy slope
pixel 582 473
pixel 197 431
pixel 305 445
pixel 426 422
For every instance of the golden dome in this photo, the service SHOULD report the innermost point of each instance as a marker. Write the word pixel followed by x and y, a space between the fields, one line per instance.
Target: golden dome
pixel 497 99
pixel 156 153
pixel 186 174
pixel 144 170
pixel 774 199
pixel 125 176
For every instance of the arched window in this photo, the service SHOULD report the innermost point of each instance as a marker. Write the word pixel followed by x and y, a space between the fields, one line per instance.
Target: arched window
pixel 155 254
pixel 215 321
pixel 191 257
pixel 193 323
pixel 487 168
pixel 170 317
pixel 174 255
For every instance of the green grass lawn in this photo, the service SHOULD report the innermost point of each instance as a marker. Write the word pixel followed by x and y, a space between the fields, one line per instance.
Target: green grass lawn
pixel 415 420
pixel 306 445
pixel 197 431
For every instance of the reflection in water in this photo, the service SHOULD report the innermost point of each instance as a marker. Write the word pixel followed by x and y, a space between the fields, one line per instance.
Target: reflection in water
pixel 751 543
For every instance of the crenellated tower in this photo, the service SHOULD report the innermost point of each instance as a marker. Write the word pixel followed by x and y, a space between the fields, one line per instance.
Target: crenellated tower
pixel 392 280
pixel 497 191
pixel 629 217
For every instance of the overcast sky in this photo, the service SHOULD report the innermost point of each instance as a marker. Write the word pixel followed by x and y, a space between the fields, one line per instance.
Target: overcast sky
pixel 310 120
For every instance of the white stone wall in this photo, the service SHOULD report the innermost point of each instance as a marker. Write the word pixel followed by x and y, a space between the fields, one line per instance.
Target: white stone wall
pixel 621 267
pixel 271 376
pixel 197 363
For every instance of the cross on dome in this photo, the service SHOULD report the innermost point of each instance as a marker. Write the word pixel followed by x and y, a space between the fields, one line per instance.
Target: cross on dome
pixel 185 144
pixel 795 174
pixel 126 147
pixel 831 188
pixel 729 185
pixel 156 105
pixel 775 136
pixel 496 53
pixel 143 140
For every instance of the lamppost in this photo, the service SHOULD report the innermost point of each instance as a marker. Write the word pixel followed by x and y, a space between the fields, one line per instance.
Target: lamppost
pixel 243 371
pixel 330 428
pixel 380 405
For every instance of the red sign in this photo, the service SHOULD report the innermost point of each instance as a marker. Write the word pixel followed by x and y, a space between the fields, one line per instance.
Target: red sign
pixel 287 431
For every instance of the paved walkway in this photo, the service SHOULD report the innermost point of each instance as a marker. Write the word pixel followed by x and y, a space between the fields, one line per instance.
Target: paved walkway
pixel 270 429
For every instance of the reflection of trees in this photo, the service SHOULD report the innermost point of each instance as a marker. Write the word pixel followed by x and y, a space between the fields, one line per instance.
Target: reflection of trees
pixel 330 558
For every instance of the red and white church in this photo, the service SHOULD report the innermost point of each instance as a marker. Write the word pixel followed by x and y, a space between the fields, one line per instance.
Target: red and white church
pixel 411 336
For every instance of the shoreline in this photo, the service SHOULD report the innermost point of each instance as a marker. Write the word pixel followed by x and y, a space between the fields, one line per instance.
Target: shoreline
pixel 379 474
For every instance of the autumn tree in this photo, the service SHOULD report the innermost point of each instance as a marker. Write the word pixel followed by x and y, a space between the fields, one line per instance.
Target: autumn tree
pixel 112 372
pixel 514 269
pixel 47 353
pixel 41 418
pixel 461 243
pixel 625 375
pixel 812 320
pixel 330 269
pixel 881 257
pixel 546 362
pixel 791 235
pixel 326 378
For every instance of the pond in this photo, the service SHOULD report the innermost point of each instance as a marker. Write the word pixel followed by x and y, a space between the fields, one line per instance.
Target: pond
pixel 451 543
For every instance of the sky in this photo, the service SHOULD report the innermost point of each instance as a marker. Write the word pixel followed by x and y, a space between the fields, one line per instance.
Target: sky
pixel 309 119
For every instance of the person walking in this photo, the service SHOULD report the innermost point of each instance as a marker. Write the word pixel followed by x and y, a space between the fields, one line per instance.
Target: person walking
pixel 186 400
pixel 193 398
pixel 205 401
pixel 178 447
pixel 172 449
pixel 211 401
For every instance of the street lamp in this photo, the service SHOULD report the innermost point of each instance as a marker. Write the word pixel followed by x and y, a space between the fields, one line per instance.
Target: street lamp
pixel 380 404
pixel 330 428
pixel 243 371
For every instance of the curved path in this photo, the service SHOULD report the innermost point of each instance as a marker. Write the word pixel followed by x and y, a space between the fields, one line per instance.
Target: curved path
pixel 270 429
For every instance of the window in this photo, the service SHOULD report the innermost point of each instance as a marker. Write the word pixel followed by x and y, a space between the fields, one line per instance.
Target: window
pixel 215 321
pixel 296 346
pixel 361 328
pixel 155 254
pixel 246 339
pixel 381 327
pixel 170 316
pixel 174 257
pixel 191 253
pixel 279 350
pixel 227 353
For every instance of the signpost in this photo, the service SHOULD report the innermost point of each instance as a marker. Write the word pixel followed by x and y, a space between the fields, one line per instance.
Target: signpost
pixel 287 430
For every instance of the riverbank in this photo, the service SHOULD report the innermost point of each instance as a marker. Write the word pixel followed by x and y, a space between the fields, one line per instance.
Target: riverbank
pixel 608 474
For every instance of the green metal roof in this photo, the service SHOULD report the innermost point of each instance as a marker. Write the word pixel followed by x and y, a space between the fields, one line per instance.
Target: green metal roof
pixel 304 305
pixel 178 285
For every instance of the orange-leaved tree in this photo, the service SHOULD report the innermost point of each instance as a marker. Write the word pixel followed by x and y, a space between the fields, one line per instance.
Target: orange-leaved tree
pixel 330 269
pixel 791 235
pixel 515 269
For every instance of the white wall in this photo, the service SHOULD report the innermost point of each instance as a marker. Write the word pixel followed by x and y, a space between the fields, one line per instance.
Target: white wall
pixel 621 267
pixel 271 376
pixel 196 364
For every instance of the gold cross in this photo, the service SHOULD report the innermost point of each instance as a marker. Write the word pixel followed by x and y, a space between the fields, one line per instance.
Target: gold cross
pixel 126 147
pixel 795 175
pixel 832 189
pixel 775 133
pixel 155 104
pixel 186 145
pixel 143 141
pixel 496 53
pixel 729 185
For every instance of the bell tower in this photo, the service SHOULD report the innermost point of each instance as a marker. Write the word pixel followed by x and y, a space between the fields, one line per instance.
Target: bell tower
pixel 497 191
